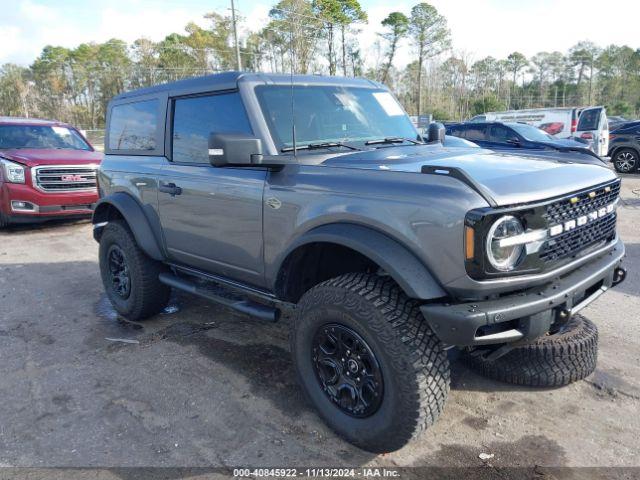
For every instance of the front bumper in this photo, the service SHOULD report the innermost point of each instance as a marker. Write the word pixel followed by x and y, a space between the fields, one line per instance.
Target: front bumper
pixel 43 206
pixel 527 314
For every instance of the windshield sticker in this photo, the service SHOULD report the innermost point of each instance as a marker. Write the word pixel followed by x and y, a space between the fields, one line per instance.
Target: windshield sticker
pixel 61 131
pixel 389 104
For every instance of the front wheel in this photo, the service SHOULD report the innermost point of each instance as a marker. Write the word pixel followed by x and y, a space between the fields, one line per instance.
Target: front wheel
pixel 368 361
pixel 129 276
pixel 626 160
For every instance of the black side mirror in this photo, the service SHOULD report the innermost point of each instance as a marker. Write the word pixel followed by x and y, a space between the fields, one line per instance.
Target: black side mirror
pixel 235 149
pixel 243 150
pixel 436 133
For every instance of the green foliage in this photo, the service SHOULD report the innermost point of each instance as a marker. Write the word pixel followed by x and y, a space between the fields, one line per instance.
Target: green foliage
pixel 397 24
pixel 319 36
pixel 430 36
pixel 486 104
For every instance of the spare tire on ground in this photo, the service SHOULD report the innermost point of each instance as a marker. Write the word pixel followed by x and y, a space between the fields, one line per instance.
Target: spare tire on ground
pixel 556 359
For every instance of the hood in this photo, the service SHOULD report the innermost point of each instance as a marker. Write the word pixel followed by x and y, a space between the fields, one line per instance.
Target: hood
pixel 567 144
pixel 509 179
pixel 34 157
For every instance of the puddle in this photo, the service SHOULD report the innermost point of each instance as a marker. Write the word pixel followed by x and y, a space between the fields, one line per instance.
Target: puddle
pixel 610 384
pixel 110 324
pixel 169 309
pixel 174 305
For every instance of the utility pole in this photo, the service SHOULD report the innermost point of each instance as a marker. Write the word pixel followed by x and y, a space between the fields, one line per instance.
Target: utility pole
pixel 591 78
pixel 235 35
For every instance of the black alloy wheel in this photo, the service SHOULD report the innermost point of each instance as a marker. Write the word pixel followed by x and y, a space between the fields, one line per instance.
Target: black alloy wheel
pixel 119 272
pixel 626 161
pixel 348 370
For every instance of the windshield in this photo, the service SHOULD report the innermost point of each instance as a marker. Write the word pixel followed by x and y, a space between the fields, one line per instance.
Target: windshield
pixel 330 114
pixel 41 137
pixel 531 133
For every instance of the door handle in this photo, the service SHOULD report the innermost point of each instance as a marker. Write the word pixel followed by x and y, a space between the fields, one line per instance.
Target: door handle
pixel 170 188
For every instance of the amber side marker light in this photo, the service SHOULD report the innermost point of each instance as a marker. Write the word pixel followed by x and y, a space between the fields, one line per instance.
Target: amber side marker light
pixel 469 236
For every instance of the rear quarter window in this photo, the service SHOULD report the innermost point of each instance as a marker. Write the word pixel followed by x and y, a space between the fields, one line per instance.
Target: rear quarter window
pixel 134 126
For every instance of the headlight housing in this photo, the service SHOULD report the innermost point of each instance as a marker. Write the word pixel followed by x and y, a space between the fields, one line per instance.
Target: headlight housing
pixel 503 255
pixel 12 172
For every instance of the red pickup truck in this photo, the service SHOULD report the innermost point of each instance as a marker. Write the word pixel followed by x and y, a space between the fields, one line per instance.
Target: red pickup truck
pixel 47 171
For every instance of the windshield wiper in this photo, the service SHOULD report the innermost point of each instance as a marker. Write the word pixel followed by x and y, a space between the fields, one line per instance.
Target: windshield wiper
pixel 320 145
pixel 388 140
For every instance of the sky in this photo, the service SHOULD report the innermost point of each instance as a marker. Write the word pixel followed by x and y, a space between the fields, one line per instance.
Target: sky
pixel 479 28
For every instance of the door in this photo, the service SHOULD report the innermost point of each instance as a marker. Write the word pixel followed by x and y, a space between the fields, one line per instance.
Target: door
pixel 501 137
pixel 593 127
pixel 475 133
pixel 211 217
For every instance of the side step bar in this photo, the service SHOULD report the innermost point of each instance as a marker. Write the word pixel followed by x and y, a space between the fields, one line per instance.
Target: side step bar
pixel 254 309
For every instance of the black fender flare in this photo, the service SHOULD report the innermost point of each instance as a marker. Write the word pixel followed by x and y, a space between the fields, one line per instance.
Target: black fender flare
pixel 133 213
pixel 395 259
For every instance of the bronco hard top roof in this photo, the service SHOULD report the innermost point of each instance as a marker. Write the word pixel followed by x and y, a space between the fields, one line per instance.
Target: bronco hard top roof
pixel 230 81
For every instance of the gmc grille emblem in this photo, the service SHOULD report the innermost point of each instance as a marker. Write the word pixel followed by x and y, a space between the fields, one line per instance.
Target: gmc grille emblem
pixel 72 178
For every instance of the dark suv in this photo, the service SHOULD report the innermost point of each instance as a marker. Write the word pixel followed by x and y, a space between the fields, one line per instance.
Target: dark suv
pixel 317 196
pixel 624 147
pixel 529 139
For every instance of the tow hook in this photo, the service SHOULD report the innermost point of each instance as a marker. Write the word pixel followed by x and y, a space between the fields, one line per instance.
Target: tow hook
pixel 619 275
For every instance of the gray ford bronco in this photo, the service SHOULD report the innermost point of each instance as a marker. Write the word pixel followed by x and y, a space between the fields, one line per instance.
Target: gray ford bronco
pixel 316 197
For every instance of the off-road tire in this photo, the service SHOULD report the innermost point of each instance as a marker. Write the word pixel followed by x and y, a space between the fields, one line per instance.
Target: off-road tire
pixel 550 361
pixel 148 296
pixel 629 163
pixel 414 366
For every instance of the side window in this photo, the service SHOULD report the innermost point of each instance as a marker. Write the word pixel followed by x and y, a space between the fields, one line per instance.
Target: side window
pixel 501 134
pixel 134 126
pixel 475 133
pixel 194 118
pixel 589 119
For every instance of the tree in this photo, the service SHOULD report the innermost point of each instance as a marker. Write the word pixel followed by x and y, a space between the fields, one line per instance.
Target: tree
pixel 516 61
pixel 341 13
pixel 15 86
pixel 581 56
pixel 430 36
pixel 486 104
pixel 398 25
pixel 296 29
pixel 351 13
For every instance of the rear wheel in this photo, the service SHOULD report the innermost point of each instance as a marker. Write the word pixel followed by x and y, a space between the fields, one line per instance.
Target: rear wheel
pixel 626 160
pixel 368 361
pixel 129 276
pixel 550 361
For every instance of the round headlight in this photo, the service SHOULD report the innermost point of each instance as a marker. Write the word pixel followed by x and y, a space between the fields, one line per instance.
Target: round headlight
pixel 504 257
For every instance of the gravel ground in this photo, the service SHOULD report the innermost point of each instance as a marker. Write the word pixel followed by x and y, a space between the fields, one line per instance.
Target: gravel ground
pixel 205 387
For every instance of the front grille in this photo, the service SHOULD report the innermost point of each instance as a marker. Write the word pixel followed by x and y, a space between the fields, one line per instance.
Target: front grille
pixel 65 178
pixel 595 232
pixel 562 210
